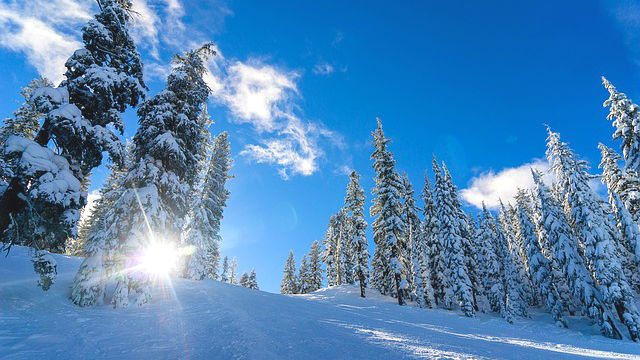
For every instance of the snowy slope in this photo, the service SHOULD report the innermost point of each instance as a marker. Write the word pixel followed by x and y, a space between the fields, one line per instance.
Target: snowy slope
pixel 210 320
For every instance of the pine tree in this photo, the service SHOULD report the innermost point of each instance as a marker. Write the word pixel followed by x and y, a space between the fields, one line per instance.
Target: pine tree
pixel 564 252
pixel 354 205
pixel 514 242
pixel 315 267
pixel 203 231
pixel 626 119
pixel 289 283
pixel 514 301
pixel 244 279
pixel 161 177
pixel 625 183
pixel 389 272
pixel 416 241
pixel 594 231
pixel 539 267
pixel 628 239
pixel 233 277
pixel 224 276
pixel 304 285
pixel 472 253
pixel 438 243
pixel 456 285
pixel 253 281
pixel 428 229
pixel 490 267
pixel 81 118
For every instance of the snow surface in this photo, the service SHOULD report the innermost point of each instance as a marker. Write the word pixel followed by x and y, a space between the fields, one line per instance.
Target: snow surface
pixel 211 320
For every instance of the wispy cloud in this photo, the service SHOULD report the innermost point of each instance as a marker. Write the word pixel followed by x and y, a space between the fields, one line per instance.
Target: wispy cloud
pixel 491 187
pixel 627 16
pixel 265 97
pixel 43 31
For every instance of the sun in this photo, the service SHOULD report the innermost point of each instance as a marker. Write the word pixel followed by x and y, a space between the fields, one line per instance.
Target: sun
pixel 159 259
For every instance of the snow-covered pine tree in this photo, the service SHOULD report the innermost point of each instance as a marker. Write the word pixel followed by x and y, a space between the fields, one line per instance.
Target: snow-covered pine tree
pixel 625 183
pixel 289 283
pixel 564 252
pixel 514 301
pixel 233 277
pixel 543 278
pixel 626 119
pixel 224 276
pixel 315 267
pixel 490 268
pixel 509 222
pixel 428 229
pixel 81 118
pixel 413 237
pixel 438 243
pixel 479 293
pixel 160 180
pixel 628 234
pixel 244 279
pixel 253 281
pixel 303 276
pixel 354 205
pixel 389 273
pixel 203 230
pixel 594 231
pixel 456 285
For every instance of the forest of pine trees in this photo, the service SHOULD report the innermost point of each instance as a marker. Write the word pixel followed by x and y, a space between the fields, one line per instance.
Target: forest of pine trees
pixel 560 246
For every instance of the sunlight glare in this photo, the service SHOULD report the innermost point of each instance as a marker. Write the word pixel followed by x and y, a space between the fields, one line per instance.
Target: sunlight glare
pixel 159 259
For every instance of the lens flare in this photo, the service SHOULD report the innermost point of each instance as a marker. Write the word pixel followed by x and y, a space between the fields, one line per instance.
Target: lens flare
pixel 159 259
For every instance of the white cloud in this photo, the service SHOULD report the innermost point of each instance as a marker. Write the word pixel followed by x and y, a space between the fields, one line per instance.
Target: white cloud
pixel 254 93
pixel 324 69
pixel 145 26
pixel 41 31
pixel 490 187
pixel 264 97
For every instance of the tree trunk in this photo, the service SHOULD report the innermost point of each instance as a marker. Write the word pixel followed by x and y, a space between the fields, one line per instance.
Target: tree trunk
pixel 361 278
pixel 398 290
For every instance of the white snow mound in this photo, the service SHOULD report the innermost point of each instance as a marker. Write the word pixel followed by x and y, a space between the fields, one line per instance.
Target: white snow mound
pixel 210 320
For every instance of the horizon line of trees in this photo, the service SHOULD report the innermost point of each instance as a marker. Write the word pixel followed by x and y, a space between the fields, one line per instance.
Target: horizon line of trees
pixel 559 246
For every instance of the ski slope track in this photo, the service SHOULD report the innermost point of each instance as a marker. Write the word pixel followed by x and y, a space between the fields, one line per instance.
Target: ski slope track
pixel 211 320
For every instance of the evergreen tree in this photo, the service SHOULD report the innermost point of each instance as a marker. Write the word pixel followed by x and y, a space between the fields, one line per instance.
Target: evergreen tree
pixel 253 281
pixel 490 268
pixel 514 242
pixel 203 231
pixel 289 283
pixel 542 276
pixel 161 177
pixel 628 232
pixel 428 229
pixel 389 272
pixel 472 253
pixel 81 118
pixel 626 119
pixel 438 263
pixel 244 279
pixel 334 254
pixel 564 252
pixel 594 231
pixel 514 301
pixel 224 276
pixel 314 267
pixel 416 241
pixel 304 285
pixel 456 285
pixel 354 205
pixel 233 277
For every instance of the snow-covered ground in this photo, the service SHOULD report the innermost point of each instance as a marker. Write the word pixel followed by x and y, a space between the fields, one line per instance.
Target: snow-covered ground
pixel 210 320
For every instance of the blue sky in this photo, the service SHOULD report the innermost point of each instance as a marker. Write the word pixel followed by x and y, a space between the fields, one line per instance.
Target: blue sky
pixel 299 84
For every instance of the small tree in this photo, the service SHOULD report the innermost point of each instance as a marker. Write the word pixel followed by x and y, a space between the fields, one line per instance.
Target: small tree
pixel 289 283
